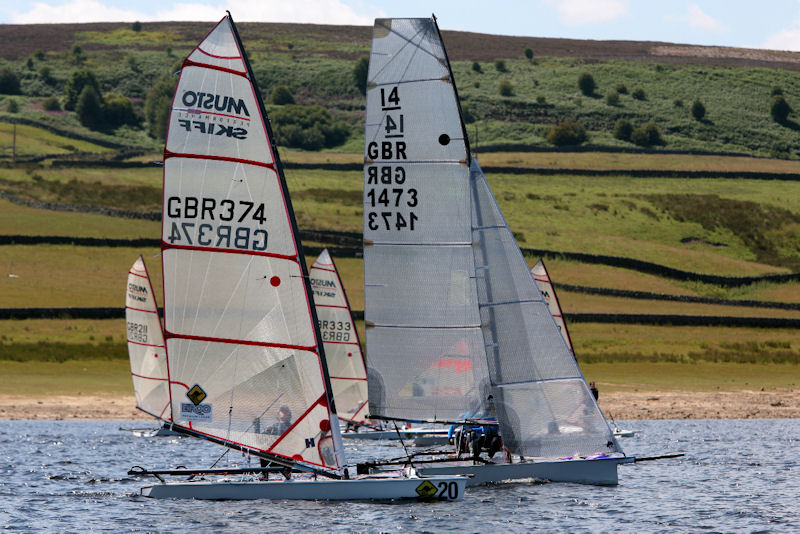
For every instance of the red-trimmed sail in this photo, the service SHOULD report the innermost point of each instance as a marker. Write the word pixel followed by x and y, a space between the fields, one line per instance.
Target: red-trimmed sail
pixel 146 348
pixel 246 365
pixel 342 347
pixel 542 278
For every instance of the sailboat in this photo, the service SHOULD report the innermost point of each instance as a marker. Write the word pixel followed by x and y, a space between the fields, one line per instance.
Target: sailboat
pixel 146 350
pixel 342 346
pixel 456 328
pixel 542 277
pixel 245 359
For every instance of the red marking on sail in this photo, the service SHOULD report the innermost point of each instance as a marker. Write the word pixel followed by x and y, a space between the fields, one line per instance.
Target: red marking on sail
pixel 168 154
pixel 459 366
pixel 310 348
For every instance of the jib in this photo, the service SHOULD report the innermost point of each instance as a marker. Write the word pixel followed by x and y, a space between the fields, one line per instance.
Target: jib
pixel 387 150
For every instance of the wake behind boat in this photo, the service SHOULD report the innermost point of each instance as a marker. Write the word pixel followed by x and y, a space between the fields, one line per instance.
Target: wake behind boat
pixel 245 362
pixel 456 326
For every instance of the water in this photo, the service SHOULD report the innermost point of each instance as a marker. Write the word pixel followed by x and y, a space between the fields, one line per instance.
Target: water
pixel 737 476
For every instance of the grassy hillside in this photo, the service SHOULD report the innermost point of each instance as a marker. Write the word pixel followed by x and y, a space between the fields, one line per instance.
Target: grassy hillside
pixel 316 63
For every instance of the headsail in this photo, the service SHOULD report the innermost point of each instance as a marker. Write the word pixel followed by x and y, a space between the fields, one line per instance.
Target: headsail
pixel 539 272
pixel 146 348
pixel 425 348
pixel 239 318
pixel 455 322
pixel 342 347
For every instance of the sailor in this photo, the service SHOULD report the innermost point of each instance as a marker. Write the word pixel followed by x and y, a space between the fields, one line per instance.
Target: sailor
pixel 283 424
pixel 477 438
pixel 594 391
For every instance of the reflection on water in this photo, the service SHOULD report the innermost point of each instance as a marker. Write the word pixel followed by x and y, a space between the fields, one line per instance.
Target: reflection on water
pixel 738 475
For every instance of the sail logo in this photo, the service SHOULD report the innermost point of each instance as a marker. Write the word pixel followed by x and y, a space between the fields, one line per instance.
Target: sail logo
pixel 137 292
pixel 319 282
pixel 201 412
pixel 210 101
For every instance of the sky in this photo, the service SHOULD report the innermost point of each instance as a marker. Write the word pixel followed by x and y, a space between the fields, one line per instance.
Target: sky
pixel 772 24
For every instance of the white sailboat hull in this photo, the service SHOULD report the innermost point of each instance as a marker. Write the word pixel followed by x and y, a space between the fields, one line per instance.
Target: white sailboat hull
pixel 445 488
pixel 600 471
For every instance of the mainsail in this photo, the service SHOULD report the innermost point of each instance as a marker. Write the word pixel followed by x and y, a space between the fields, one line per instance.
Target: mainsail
pixel 539 272
pixel 343 353
pixel 146 349
pixel 247 367
pixel 456 326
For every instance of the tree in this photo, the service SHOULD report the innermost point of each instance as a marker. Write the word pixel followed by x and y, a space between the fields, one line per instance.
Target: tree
pixel 698 110
pixel 360 73
pixel 500 65
pixel 586 84
pixel 639 94
pixel 477 67
pixel 779 109
pixel 623 129
pixel 776 90
pixel 506 88
pixel 12 106
pixel 157 106
pixel 281 95
pixel 9 82
pixel 136 26
pixel 566 133
pixel 118 111
pixel 90 108
pixel 647 135
pixel 529 54
pixel 621 88
pixel 77 54
pixel 75 84
pixel 308 127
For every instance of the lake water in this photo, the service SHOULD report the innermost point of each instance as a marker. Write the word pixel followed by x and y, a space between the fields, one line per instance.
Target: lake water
pixel 737 476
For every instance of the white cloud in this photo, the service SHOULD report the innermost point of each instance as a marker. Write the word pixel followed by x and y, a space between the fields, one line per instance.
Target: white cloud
pixel 580 12
pixel 785 39
pixel 700 20
pixel 310 11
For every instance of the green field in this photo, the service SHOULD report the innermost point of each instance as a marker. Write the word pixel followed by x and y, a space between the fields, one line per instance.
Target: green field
pixel 724 226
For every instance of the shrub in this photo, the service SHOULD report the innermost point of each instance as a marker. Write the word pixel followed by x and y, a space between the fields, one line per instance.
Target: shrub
pixel 118 111
pixel 12 106
pixel 621 89
pixel 477 67
pixel 281 96
pixel 529 54
pixel 51 103
pixel 506 88
pixel 136 26
pixel 541 100
pixel 566 133
pixel 776 91
pixel 75 84
pixel 466 114
pixel 678 103
pixel 157 105
pixel 500 65
pixel 9 82
pixel 612 98
pixel 308 127
pixel 698 110
pixel 39 54
pixel 639 94
pixel 647 135
pixel 360 73
pixel 77 54
pixel 90 108
pixel 779 109
pixel 586 83
pixel 623 129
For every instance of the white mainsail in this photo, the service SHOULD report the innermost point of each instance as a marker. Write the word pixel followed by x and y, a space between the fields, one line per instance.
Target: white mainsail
pixel 246 365
pixel 456 326
pixel 146 348
pixel 539 272
pixel 346 364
